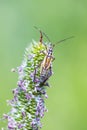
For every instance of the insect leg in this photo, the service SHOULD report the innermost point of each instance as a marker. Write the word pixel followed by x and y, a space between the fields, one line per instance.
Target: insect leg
pixel 45 75
pixel 41 34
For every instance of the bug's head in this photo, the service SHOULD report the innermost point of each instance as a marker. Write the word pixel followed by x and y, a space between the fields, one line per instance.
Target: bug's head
pixel 50 48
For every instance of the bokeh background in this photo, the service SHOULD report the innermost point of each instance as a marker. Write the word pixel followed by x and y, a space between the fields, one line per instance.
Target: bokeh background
pixel 67 102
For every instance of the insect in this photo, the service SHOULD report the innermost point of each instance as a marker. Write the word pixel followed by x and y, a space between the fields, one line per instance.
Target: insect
pixel 47 61
pixel 46 64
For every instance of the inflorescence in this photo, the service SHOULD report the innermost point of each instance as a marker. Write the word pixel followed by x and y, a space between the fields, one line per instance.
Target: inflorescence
pixel 28 106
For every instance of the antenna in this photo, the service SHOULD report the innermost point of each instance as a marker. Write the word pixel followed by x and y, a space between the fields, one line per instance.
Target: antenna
pixel 63 40
pixel 46 36
pixel 42 33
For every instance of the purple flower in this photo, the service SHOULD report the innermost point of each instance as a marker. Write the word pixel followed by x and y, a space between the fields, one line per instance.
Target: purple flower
pixel 20 69
pixel 32 75
pixel 11 123
pixel 28 96
pixel 23 114
pixel 36 80
pixel 21 84
pixel 34 124
pixel 15 98
pixel 20 126
pixel 40 108
pixel 15 91
pixel 38 88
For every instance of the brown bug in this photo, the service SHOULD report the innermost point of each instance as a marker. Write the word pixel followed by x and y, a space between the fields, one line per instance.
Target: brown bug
pixel 47 61
pixel 46 64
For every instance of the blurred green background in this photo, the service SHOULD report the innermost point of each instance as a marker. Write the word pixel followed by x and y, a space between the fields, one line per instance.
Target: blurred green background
pixel 67 102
